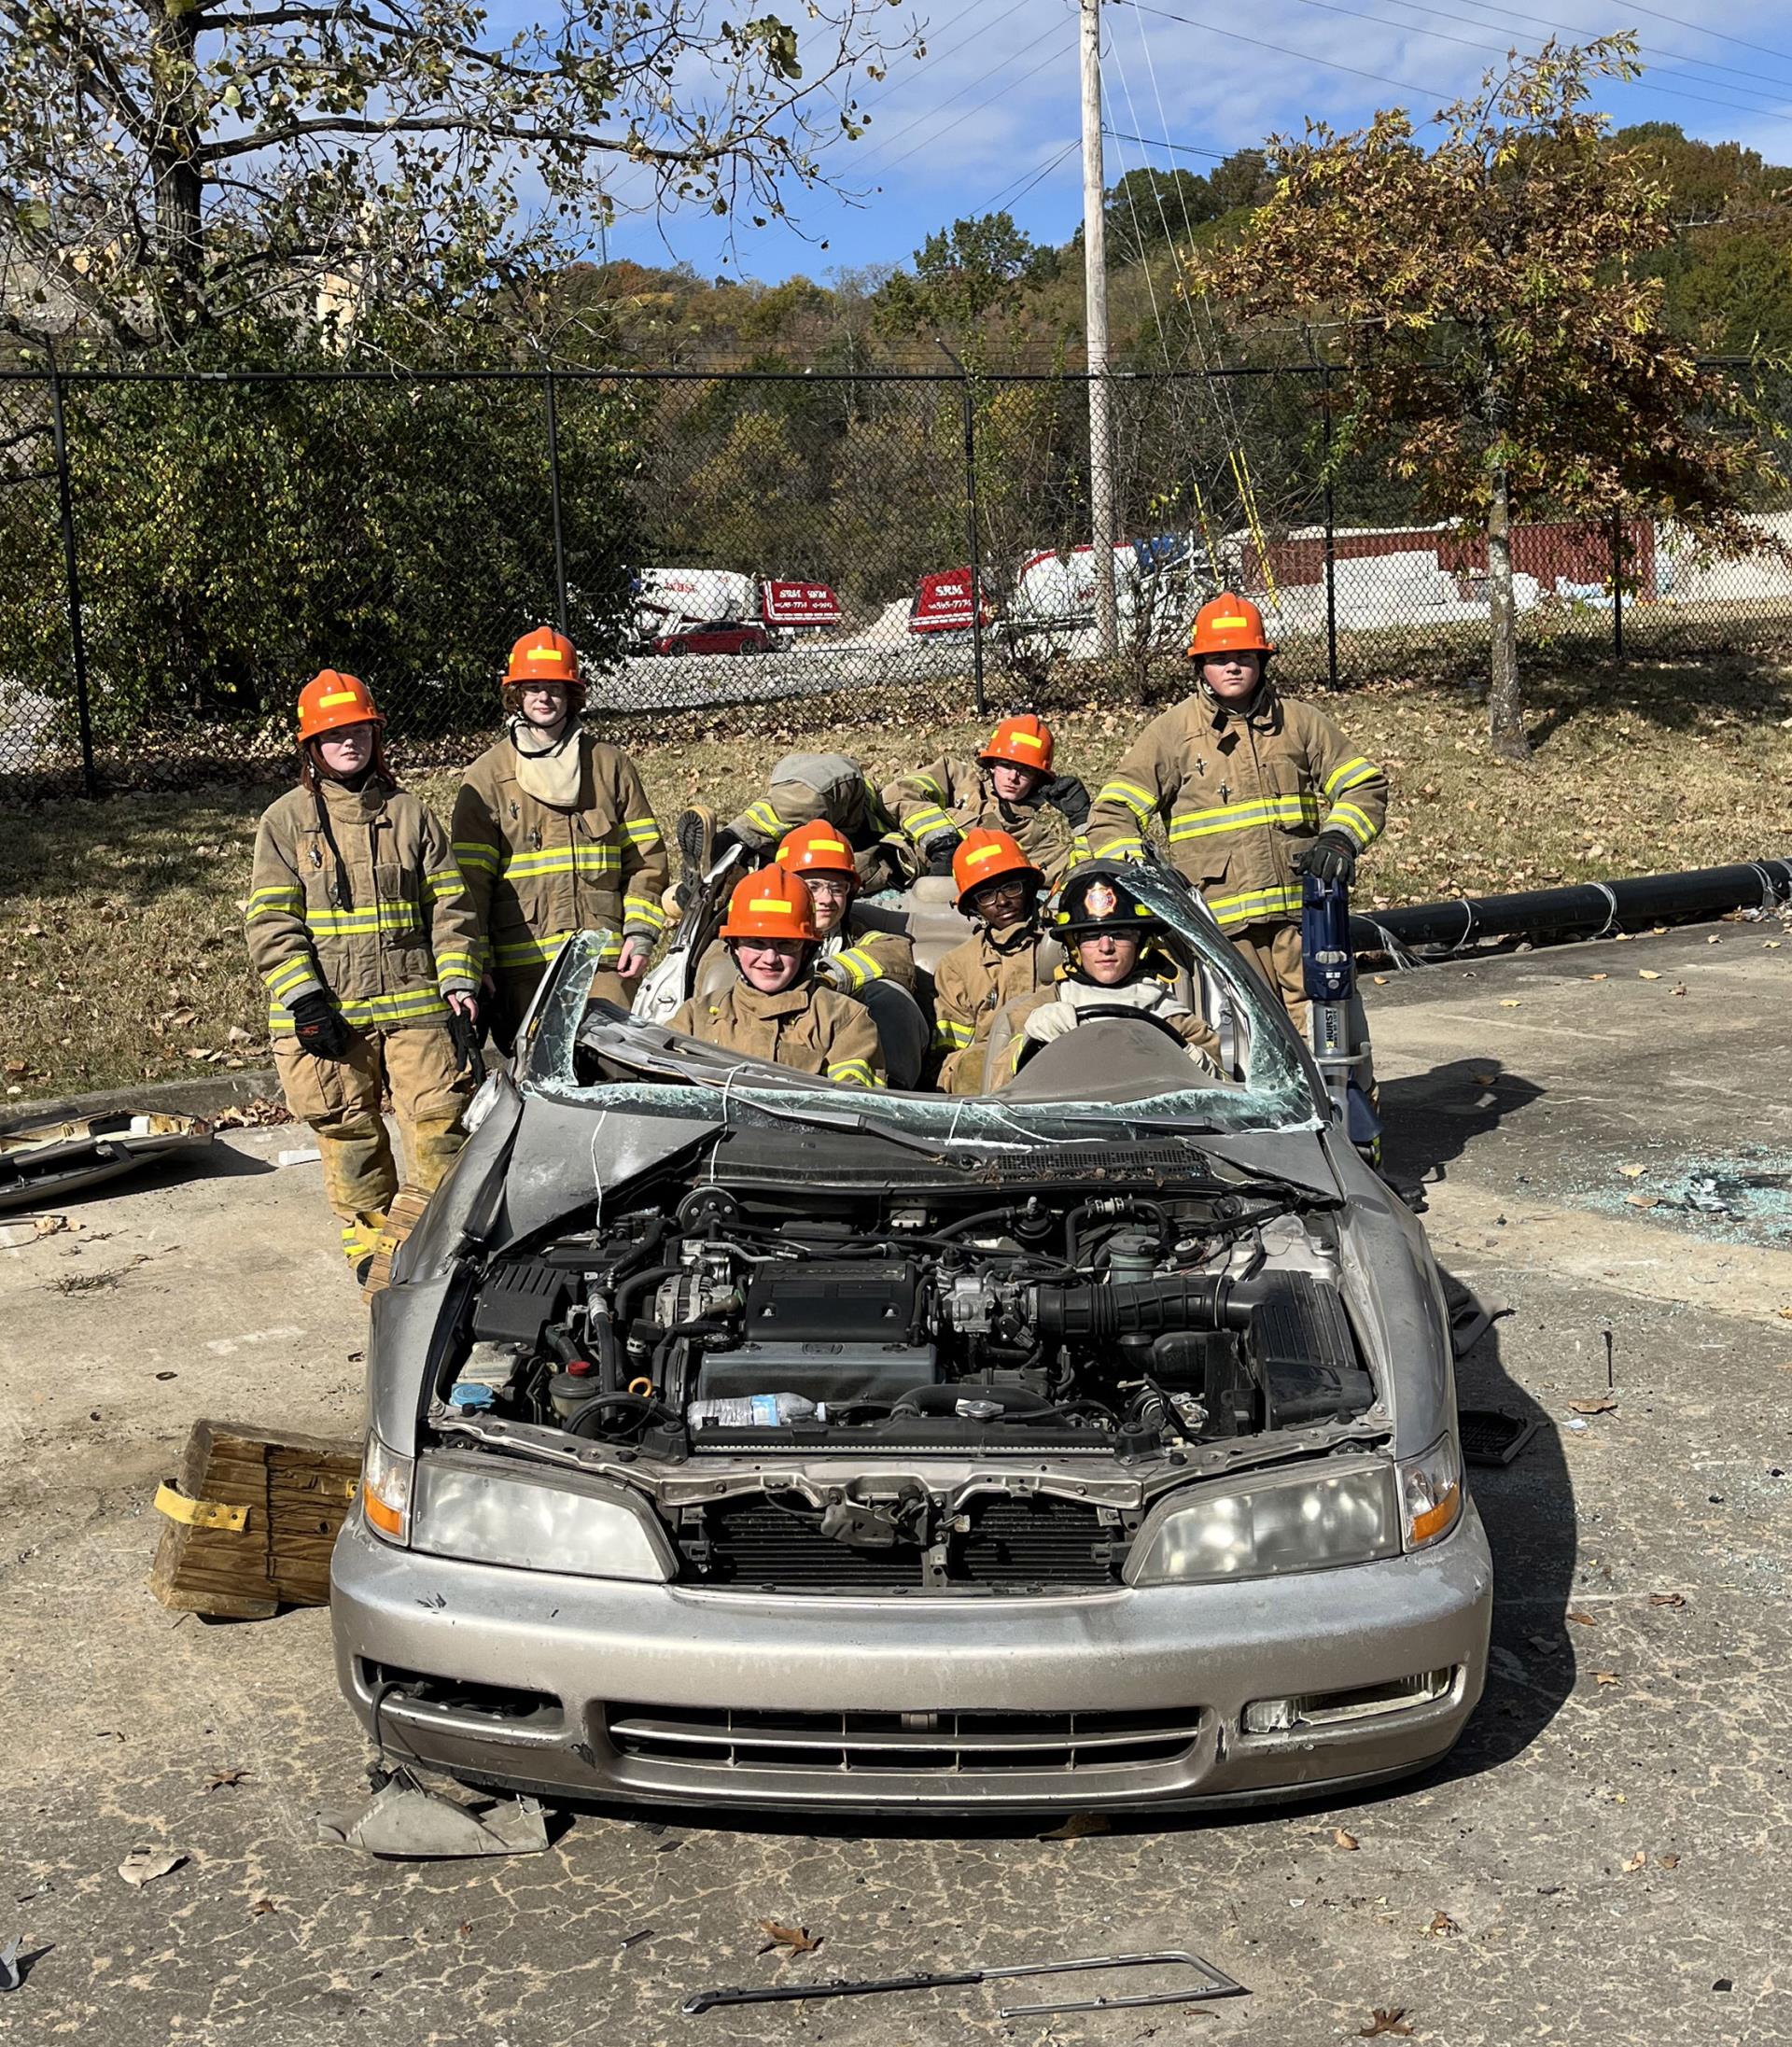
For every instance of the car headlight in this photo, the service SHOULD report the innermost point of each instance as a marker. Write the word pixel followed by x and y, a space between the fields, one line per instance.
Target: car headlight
pixel 551 1522
pixel 385 1490
pixel 1297 1520
pixel 1431 1492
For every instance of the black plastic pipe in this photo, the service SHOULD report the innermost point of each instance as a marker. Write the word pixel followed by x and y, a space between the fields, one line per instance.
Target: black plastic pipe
pixel 1587 909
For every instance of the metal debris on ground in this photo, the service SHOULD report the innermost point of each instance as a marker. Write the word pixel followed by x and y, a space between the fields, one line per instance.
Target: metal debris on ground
pixel 1216 1984
pixel 1493 1436
pixel 60 1159
pixel 404 1821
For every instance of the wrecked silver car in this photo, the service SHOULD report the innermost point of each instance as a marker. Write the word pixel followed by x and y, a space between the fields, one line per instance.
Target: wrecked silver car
pixel 740 1439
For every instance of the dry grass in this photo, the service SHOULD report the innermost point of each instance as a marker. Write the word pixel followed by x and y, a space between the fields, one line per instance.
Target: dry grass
pixel 120 944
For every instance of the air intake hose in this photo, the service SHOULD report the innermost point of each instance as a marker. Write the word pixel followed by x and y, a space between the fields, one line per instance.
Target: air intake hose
pixel 1146 1306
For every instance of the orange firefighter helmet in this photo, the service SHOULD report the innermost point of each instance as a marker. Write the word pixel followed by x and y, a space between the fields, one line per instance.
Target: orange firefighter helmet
pixel 330 700
pixel 982 856
pixel 772 904
pixel 1228 624
pixel 1025 741
pixel 817 848
pixel 543 657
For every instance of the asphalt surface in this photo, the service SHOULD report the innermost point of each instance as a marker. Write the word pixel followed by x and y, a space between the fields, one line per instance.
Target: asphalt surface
pixel 1604 1857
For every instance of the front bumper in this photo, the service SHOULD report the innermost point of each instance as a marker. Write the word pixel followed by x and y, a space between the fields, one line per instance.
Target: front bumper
pixel 1129 1700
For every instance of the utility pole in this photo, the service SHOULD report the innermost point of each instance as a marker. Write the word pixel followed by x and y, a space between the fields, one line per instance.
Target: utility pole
pixel 1095 293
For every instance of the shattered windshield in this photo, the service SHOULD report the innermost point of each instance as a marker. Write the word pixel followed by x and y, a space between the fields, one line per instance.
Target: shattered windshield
pixel 1275 1091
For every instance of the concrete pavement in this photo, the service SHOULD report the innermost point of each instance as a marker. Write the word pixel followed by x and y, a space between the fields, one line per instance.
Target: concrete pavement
pixel 1605 1855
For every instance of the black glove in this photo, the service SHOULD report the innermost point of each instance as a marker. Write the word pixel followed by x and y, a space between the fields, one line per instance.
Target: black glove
pixel 1066 793
pixel 1331 857
pixel 938 850
pixel 318 1025
pixel 464 1031
pixel 724 842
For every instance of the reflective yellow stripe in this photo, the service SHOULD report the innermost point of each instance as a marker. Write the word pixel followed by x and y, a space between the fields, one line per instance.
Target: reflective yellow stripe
pixel 456 966
pixel 582 860
pixel 1240 817
pixel 286 894
pixel 950 1034
pixel 1350 776
pixel 1356 823
pixel 419 1004
pixel 922 823
pixel 641 831
pixel 529 951
pixel 477 854
pixel 1254 904
pixel 445 882
pixel 642 909
pixel 763 818
pixel 860 966
pixel 337 697
pixel 1141 802
pixel 288 973
pixel 1120 848
pixel 853 1072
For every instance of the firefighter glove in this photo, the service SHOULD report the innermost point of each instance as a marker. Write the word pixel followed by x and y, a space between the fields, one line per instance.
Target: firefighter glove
pixel 938 850
pixel 830 973
pixel 464 1032
pixel 1331 857
pixel 318 1025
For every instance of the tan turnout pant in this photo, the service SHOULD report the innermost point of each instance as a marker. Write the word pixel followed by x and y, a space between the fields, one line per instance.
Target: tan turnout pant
pixel 340 1099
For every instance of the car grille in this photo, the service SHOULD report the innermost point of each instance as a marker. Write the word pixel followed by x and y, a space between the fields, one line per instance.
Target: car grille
pixel 1038 1743
pixel 1013 1545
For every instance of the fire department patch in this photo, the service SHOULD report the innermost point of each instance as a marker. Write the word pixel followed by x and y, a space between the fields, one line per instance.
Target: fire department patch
pixel 1101 901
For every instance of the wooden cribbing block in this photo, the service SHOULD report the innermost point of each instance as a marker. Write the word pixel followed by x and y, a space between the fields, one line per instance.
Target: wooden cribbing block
pixel 252 1518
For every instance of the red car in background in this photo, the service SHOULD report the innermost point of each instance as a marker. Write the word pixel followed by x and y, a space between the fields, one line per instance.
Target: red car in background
pixel 719 636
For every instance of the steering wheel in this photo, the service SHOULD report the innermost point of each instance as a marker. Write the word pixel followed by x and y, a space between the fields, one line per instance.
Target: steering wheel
pixel 1111 1013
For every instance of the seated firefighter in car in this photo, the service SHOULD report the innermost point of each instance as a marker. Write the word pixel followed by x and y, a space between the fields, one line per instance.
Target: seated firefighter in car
pixel 999 890
pixel 1118 966
pixel 776 1008
pixel 1256 789
pixel 805 788
pixel 1010 787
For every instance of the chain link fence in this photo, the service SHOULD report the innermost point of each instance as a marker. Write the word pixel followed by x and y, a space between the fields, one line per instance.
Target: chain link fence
pixel 178 553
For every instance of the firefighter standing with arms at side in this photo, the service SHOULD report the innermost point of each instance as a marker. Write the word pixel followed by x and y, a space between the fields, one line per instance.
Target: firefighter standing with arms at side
pixel 554 833
pixel 360 926
pixel 1256 789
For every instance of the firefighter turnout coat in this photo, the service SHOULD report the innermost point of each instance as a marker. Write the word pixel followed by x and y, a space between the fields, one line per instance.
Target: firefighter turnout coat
pixel 1242 791
pixel 971 985
pixel 536 873
pixel 953 795
pixel 355 893
pixel 806 1027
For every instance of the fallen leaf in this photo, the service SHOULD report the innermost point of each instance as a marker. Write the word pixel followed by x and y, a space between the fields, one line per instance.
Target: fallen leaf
pixel 1442 1926
pixel 262 1906
pixel 1785 1314
pixel 1344 1840
pixel 1667 1861
pixel 1679 987
pixel 1770 944
pixel 1510 1001
pixel 1380 980
pixel 143 1865
pixel 1598 976
pixel 1648 974
pixel 237 1035
pixel 1632 1172
pixel 1605 1677
pixel 796 1939
pixel 1386 2022
pixel 1667 1599
pixel 1633 1863
pixel 1585 1621
pixel 1594 1406
pixel 221 1779
pixel 1643 1200
pixel 1079 1825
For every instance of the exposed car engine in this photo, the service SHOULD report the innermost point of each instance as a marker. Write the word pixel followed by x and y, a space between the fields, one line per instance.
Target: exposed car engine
pixel 1123 1325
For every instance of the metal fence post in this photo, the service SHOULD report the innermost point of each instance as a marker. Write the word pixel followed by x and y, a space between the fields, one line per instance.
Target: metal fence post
pixel 1331 539
pixel 976 545
pixel 554 496
pixel 72 575
pixel 1617 587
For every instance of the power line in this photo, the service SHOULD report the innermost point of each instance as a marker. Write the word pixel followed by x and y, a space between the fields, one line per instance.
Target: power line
pixel 1568 28
pixel 1175 148
pixel 955 49
pixel 1281 49
pixel 1051 57
pixel 1357 14
pixel 1699 28
pixel 1028 179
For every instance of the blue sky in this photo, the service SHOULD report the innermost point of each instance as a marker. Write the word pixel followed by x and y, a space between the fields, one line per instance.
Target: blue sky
pixel 988 119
